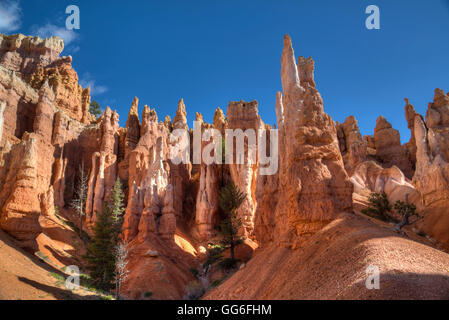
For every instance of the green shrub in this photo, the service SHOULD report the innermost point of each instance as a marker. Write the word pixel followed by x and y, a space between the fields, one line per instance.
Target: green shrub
pixel 214 254
pixel 148 294
pixel 379 207
pixel 406 210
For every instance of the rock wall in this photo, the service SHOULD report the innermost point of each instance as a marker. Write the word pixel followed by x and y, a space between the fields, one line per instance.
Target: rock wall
pixel 131 136
pixel 206 213
pixel 245 116
pixel 44 123
pixel 432 169
pixel 155 186
pixel 103 173
pixel 389 150
pixel 370 177
pixel 352 146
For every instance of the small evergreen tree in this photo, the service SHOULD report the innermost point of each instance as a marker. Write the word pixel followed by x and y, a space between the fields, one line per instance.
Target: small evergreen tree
pixel 117 202
pixel 79 201
pixel 379 206
pixel 406 210
pixel 231 198
pixel 100 256
pixel 106 256
pixel 94 109
pixel 117 208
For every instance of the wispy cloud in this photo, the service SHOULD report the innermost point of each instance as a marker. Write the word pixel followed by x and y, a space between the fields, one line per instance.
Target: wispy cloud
pixel 75 49
pixel 50 30
pixel 95 89
pixel 10 15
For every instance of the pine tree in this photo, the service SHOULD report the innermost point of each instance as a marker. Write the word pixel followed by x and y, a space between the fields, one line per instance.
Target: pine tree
pixel 117 204
pixel 100 256
pixel 379 207
pixel 117 208
pixel 103 259
pixel 94 109
pixel 231 198
pixel 406 210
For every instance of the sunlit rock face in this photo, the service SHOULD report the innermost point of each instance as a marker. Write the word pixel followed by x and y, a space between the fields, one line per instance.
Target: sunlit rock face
pixel 313 186
pixel 103 173
pixel 44 133
pixel 352 146
pixel 206 210
pixel 432 170
pixel 370 177
pixel 389 150
pixel 410 115
pixel 245 116
pixel 129 138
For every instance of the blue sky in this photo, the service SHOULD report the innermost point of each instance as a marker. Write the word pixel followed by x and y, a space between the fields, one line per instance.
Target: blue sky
pixel 211 52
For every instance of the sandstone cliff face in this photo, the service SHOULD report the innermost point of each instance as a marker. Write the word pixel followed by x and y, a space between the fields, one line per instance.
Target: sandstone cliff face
pixel 180 174
pixel 103 172
pixel 131 136
pixel 389 150
pixel 44 135
pixel 410 115
pixel 155 198
pixel 313 184
pixel 146 168
pixel 37 60
pixel 245 116
pixel 432 170
pixel 352 146
pixel 206 214
pixel 370 177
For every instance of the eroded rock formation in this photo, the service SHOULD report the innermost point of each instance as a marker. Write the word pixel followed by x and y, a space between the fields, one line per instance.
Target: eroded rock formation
pixel 47 136
pixel 432 169
pixel 313 184
pixel 352 146
pixel 103 173
pixel 206 213
pixel 370 177
pixel 244 118
pixel 388 146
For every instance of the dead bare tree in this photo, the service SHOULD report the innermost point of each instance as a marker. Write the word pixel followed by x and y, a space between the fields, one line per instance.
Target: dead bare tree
pixel 121 262
pixel 79 201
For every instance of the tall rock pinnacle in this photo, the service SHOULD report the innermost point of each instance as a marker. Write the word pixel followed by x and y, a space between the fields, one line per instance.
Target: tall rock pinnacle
pixel 180 120
pixel 289 71
pixel 313 184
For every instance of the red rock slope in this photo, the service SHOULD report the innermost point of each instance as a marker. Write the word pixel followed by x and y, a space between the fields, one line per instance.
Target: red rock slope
pixel 332 265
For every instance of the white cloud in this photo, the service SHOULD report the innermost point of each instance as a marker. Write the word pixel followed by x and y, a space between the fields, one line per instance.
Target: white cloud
pixel 95 89
pixel 74 49
pixel 50 30
pixel 10 16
